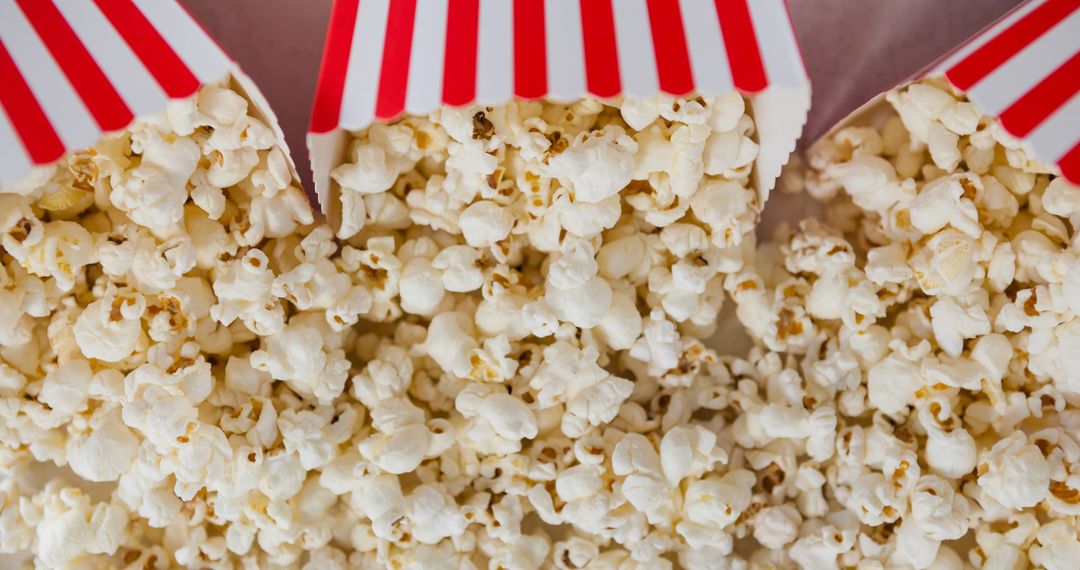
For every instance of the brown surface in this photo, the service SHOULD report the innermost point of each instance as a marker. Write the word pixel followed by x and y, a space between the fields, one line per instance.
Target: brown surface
pixel 854 49
pixel 279 44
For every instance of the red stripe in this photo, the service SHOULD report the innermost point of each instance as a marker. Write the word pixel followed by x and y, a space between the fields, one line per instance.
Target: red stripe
pixel 26 116
pixel 601 54
pixel 1036 105
pixel 104 103
pixel 394 75
pixel 1009 42
pixel 335 66
pixel 741 44
pixel 459 59
pixel 1070 165
pixel 530 59
pixel 156 54
pixel 669 43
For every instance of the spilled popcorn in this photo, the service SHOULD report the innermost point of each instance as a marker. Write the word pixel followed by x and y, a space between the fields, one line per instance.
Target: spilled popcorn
pixel 500 357
pixel 491 363
pixel 918 372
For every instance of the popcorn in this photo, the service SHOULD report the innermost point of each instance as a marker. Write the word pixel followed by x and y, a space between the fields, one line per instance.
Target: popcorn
pixel 110 328
pixel 714 504
pixel 153 194
pixel 595 165
pixel 1021 480
pixel 484 223
pixel 63 249
pixel 106 452
pixel 65 389
pixel 70 527
pixel 509 324
pixel 575 293
pixel 299 356
pixel 775 527
pixel 244 291
pixel 460 267
pixel 945 303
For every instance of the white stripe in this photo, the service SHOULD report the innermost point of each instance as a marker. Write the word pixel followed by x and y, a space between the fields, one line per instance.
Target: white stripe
pixel 565 47
pixel 708 56
pixel 14 162
pixel 984 37
pixel 1010 81
pixel 198 50
pixel 68 115
pixel 633 41
pixel 1058 134
pixel 495 52
pixel 121 66
pixel 776 43
pixel 365 60
pixel 424 91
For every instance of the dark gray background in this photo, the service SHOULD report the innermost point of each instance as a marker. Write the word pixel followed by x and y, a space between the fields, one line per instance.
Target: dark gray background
pixel 854 49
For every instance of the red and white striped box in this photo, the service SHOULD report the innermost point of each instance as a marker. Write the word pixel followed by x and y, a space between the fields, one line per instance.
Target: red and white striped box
pixel 73 70
pixel 1023 69
pixel 384 58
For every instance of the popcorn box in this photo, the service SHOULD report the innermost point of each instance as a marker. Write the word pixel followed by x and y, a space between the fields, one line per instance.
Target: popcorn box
pixel 385 58
pixel 1023 69
pixel 75 70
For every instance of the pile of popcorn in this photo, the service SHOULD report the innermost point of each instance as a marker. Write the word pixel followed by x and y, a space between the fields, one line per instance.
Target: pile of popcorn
pixel 927 329
pixel 501 357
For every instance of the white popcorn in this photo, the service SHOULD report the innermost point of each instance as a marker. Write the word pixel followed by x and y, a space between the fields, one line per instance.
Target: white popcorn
pixel 523 297
pixel 106 452
pixel 70 527
pixel 400 451
pixel 299 356
pixel 575 293
pixel 1057 546
pixel 110 328
pixel 244 291
pixel 63 249
pixel 460 268
pixel 727 151
pixel 1061 198
pixel 956 319
pixel 775 527
pixel 1014 473
pixel 484 223
pixel 421 287
pixel 508 416
pixel 933 198
pixel 622 324
pixel 944 147
pixel 726 208
pixel 639 113
pixel 449 341
pixel 950 449
pixel 941 203
pixel 716 503
pixel 658 346
pixel 65 389
pixel 277 216
pixel 595 165
pixel 153 194
pixel 870 181
pixel 585 219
